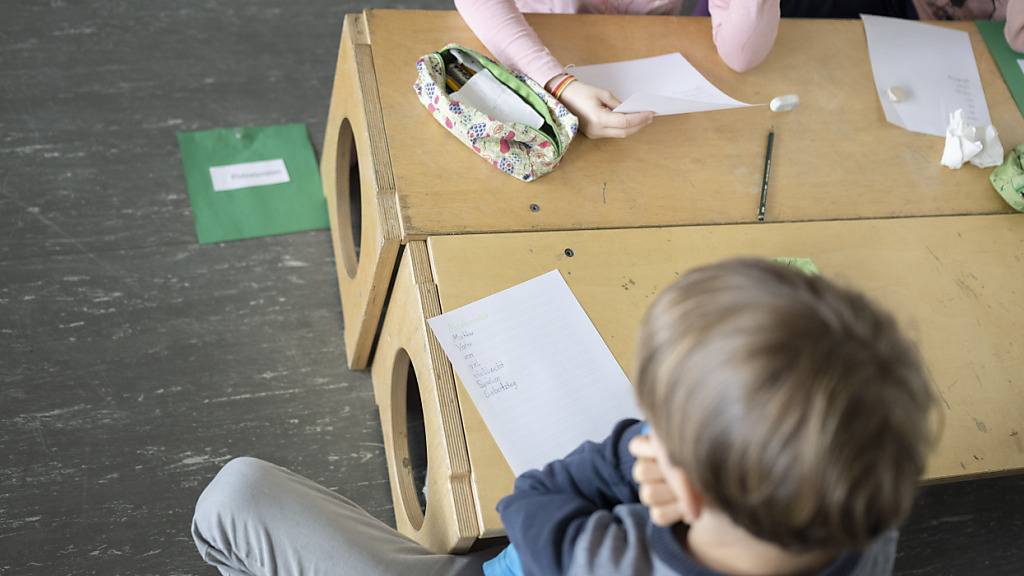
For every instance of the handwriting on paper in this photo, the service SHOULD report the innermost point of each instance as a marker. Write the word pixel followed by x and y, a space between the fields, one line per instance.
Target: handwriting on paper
pixel 490 378
pixel 537 370
pixel 934 64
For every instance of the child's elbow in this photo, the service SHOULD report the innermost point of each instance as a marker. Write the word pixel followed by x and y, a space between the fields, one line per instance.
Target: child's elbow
pixel 462 6
pixel 744 50
pixel 741 61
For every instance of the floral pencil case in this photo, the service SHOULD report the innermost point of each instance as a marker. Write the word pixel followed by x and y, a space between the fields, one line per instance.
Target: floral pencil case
pixel 503 116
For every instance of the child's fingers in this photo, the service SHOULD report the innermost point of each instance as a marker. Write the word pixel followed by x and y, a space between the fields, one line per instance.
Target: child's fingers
pixel 611 133
pixel 646 470
pixel 641 447
pixel 657 494
pixel 608 99
pixel 632 121
pixel 665 515
pixel 607 131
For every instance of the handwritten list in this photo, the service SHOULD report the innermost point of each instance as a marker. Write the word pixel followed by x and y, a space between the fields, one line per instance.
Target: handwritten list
pixel 537 370
pixel 933 65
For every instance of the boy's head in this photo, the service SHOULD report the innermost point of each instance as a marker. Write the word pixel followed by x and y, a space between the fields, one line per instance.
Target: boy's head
pixel 792 405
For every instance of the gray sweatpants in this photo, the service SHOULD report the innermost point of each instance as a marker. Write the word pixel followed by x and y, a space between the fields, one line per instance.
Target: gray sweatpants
pixel 259 519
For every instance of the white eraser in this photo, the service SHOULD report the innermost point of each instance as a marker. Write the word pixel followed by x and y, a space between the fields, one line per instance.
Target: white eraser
pixel 897 94
pixel 784 103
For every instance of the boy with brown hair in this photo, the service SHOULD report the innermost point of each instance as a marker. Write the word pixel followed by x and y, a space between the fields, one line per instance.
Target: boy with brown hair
pixel 789 424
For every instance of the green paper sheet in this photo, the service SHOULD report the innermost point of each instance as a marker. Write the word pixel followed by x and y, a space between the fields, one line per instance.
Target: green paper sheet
pixel 805 265
pixel 1005 58
pixel 257 196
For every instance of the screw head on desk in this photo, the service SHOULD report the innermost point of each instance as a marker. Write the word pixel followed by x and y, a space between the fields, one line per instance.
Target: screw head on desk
pixel 569 252
pixel 534 207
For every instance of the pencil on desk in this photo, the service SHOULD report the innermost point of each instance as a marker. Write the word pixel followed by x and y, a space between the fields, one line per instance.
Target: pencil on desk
pixel 767 170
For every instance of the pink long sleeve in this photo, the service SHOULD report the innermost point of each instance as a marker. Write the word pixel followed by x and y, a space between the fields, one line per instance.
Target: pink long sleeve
pixel 501 27
pixel 1014 30
pixel 744 30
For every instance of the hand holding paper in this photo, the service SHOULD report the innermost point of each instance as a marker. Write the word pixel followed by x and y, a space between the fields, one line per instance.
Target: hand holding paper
pixel 593 106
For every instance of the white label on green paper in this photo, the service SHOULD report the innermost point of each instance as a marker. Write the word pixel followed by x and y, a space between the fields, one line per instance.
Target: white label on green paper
pixel 248 175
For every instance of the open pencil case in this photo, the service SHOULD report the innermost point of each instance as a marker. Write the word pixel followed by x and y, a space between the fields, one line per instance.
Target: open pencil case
pixel 503 116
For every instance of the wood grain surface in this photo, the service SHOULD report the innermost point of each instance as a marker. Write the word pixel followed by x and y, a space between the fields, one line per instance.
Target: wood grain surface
pixel 954 283
pixel 835 157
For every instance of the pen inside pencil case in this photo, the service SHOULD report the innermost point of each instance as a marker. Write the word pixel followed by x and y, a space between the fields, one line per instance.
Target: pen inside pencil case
pixel 456 76
pixel 459 67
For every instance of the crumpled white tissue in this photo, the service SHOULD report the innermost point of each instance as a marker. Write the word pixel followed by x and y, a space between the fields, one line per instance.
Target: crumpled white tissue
pixel 963 144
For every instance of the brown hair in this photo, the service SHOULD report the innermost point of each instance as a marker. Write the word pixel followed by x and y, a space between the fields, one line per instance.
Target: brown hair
pixel 794 405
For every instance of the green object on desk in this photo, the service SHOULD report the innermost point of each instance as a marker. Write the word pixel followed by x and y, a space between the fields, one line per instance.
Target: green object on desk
pixel 1008 179
pixel 251 182
pixel 1006 59
pixel 805 265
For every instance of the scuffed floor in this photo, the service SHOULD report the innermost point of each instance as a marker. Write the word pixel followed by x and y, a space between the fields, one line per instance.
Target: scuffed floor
pixel 133 363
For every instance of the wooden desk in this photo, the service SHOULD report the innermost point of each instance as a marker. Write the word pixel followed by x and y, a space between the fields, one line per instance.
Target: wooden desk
pixel 835 157
pixel 955 283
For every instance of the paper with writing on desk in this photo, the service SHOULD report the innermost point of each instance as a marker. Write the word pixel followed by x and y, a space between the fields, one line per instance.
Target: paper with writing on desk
pixel 538 372
pixel 933 65
pixel 666 84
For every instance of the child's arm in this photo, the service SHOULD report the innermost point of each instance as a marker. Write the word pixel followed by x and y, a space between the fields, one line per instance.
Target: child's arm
pixel 549 507
pixel 501 27
pixel 1014 30
pixel 744 30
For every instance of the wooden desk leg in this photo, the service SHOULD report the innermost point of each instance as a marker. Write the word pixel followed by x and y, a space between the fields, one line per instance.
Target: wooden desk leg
pixel 449 523
pixel 363 209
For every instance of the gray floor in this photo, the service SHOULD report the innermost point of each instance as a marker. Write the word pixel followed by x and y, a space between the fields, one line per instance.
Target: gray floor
pixel 133 362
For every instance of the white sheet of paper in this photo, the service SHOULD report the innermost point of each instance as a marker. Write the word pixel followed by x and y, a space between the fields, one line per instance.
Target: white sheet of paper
pixel 935 65
pixel 485 93
pixel 666 84
pixel 248 175
pixel 1020 62
pixel 539 373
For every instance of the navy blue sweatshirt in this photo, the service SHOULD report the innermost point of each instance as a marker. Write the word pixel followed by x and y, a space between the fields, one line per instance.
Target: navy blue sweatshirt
pixel 582 515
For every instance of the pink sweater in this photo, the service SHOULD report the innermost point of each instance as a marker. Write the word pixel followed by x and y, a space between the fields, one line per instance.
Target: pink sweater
pixel 743 30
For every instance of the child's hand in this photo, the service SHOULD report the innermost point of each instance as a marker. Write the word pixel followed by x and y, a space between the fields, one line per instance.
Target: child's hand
pixel 593 106
pixel 655 493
